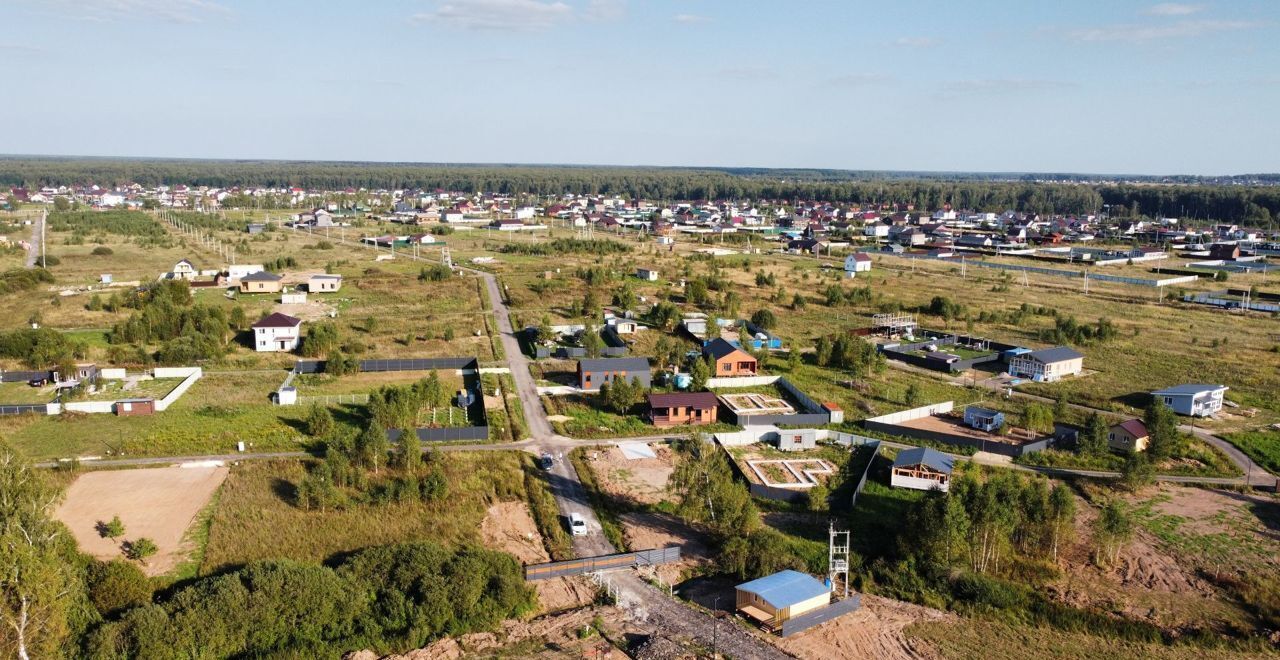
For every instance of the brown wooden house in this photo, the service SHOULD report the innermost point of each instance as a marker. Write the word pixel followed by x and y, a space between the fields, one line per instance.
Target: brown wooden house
pixel 683 408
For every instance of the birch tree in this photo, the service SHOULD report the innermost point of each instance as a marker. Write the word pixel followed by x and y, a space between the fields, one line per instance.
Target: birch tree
pixel 37 586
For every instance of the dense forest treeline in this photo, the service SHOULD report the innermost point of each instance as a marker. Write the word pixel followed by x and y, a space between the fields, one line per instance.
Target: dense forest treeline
pixel 1232 199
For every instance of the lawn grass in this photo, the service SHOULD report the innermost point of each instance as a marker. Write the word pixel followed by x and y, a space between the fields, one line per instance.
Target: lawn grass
pixel 113 390
pixel 256 517
pixel 366 382
pixel 22 393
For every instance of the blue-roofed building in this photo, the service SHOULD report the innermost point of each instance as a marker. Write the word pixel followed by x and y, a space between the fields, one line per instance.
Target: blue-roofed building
pixel 921 468
pixel 983 419
pixel 772 599
pixel 1193 400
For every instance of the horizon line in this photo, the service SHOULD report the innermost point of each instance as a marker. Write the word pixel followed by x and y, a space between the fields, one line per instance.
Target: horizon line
pixel 720 168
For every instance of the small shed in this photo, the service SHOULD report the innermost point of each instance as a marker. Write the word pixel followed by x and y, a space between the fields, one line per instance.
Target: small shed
pixel 295 298
pixel 647 274
pixel 983 419
pixel 287 396
pixel 135 407
pixel 773 599
pixel 921 468
pixel 797 439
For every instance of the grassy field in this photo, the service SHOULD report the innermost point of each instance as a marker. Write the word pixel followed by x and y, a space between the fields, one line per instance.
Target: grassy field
pixel 412 318
pixel 256 517
pixel 979 638
pixel 20 393
pixel 1261 446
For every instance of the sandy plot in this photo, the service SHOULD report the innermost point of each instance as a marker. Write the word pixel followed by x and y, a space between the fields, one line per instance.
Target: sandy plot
pixel 509 527
pixel 874 631
pixel 642 480
pixel 157 503
pixel 312 310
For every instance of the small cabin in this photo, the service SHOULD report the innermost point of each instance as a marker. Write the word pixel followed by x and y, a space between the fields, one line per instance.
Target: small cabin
pixel 983 419
pixel 774 599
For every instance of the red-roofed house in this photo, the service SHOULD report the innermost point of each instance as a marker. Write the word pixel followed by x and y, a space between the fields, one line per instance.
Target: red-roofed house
pixel 1128 436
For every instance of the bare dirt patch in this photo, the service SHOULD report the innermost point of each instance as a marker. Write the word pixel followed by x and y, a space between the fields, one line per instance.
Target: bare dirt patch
pixel 1148 580
pixel 644 531
pixel 874 631
pixel 641 480
pixel 552 636
pixel 312 310
pixel 157 503
pixel 509 527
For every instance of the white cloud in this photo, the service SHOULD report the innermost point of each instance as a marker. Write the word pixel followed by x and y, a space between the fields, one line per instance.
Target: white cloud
pixel 605 10
pixel 1173 9
pixel 105 11
pixel 518 15
pixel 916 42
pixel 691 19
pixel 1175 30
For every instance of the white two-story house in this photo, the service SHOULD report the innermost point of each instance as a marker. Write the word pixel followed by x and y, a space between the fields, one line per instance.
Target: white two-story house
pixel 277 333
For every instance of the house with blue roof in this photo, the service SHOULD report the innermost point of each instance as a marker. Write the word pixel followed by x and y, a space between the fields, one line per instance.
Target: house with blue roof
pixel 922 468
pixel 1192 399
pixel 772 599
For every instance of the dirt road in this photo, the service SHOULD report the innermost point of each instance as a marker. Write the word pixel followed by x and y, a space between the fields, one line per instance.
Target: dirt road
pixel 37 233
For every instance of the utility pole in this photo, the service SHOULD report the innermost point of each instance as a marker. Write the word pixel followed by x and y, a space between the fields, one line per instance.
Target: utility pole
pixel 715 626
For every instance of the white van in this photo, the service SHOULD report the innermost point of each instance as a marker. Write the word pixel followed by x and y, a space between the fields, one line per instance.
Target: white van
pixel 577 524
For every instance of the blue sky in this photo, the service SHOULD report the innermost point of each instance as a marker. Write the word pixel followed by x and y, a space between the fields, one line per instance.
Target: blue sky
pixel 980 85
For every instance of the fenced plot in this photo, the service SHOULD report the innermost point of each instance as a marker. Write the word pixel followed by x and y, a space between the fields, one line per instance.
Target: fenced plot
pixel 756 404
pixel 790 473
